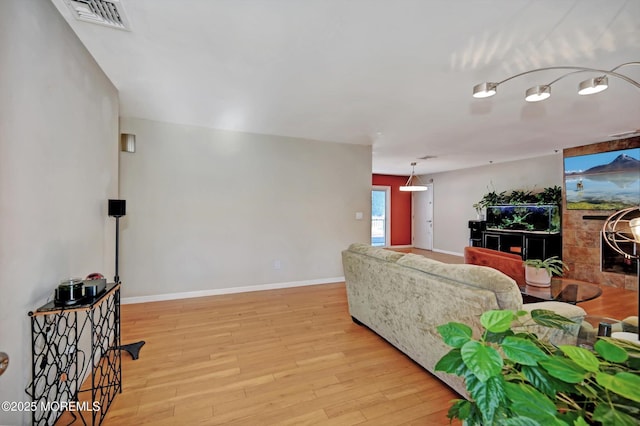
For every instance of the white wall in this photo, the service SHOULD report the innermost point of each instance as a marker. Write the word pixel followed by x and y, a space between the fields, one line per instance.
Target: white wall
pixel 58 166
pixel 211 209
pixel 455 193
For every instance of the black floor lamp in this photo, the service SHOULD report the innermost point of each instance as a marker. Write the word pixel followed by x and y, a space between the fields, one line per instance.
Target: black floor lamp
pixel 117 209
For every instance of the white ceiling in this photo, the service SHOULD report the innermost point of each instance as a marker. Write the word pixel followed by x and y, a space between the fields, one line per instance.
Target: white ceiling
pixel 396 74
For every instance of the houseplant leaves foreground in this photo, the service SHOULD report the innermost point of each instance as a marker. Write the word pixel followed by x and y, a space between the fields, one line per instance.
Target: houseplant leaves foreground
pixel 514 378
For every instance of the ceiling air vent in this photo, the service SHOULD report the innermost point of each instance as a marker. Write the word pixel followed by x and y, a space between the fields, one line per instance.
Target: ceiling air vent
pixel 626 134
pixel 102 12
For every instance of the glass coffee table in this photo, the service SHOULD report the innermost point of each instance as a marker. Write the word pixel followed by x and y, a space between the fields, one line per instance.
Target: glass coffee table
pixel 561 290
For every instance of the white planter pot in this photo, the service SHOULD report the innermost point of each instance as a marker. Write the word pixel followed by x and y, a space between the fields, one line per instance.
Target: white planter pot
pixel 538 277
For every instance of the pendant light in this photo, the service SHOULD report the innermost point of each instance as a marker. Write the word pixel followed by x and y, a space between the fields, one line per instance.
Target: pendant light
pixel 413 183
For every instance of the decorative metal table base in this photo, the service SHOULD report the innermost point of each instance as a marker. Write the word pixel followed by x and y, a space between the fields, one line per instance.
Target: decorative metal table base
pixel 76 359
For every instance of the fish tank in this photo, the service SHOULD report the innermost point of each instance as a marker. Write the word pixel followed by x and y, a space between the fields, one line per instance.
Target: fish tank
pixel 538 218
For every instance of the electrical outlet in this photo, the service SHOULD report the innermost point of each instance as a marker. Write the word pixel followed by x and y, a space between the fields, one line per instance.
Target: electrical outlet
pixel 277 264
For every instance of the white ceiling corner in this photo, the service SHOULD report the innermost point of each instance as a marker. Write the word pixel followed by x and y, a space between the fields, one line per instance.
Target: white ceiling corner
pixel 394 74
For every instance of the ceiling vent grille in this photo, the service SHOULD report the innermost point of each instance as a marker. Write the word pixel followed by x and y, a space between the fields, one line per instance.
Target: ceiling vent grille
pixel 627 134
pixel 103 12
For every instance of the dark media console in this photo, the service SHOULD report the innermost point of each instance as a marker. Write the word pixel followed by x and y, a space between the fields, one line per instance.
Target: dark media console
pixel 527 244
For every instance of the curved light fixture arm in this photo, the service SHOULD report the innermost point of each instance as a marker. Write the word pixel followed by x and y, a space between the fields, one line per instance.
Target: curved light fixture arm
pixel 578 70
pixel 541 92
pixel 624 65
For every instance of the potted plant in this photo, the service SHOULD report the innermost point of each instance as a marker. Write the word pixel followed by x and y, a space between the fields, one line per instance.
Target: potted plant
pixel 513 378
pixel 539 272
pixel 478 208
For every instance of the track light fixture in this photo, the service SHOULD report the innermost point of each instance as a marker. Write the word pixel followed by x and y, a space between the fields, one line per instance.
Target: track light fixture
pixel 413 183
pixel 537 93
pixel 542 92
pixel 593 85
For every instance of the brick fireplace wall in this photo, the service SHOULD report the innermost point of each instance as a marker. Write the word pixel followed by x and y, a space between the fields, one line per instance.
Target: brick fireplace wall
pixel 581 229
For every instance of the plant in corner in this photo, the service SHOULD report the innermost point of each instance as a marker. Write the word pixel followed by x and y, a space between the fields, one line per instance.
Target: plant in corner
pixel 513 378
pixel 539 272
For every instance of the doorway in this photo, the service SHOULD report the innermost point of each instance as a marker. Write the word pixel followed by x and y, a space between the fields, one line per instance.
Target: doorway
pixel 381 216
pixel 422 208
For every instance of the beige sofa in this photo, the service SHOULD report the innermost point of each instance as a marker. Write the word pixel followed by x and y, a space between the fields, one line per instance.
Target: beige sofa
pixel 404 297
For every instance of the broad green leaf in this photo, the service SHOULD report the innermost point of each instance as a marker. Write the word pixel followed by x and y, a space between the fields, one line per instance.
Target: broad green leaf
pixel 551 319
pixel 497 321
pixel 522 351
pixel 609 416
pixel 483 361
pixel 582 357
pixel 610 351
pixel 569 417
pixel 525 400
pixel 580 421
pixel 633 349
pixel 455 334
pixel 520 421
pixel 634 363
pixel 564 369
pixel 452 363
pixel 589 392
pixel 534 339
pixel 460 409
pixel 497 337
pixel 625 405
pixel 541 380
pixel 488 395
pixel 624 384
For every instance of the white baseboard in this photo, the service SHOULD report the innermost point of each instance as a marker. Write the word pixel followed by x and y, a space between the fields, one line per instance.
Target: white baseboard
pixel 229 290
pixel 453 253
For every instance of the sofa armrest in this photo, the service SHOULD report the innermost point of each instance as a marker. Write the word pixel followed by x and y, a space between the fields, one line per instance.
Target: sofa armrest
pixel 630 324
pixel 555 336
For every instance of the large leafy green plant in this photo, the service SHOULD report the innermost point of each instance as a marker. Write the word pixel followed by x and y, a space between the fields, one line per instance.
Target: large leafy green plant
pixel 513 378
pixel 550 195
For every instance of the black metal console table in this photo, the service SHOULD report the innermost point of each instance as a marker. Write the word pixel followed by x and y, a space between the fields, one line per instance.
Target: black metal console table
pixel 77 365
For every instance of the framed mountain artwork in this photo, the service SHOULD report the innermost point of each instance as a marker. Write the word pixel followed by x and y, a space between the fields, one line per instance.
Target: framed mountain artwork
pixel 603 181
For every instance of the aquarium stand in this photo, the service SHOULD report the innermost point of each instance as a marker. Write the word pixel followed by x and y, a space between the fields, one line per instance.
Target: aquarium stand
pixel 528 245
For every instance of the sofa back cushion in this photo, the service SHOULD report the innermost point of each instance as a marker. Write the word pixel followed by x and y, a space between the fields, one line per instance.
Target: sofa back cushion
pixel 375 252
pixel 505 289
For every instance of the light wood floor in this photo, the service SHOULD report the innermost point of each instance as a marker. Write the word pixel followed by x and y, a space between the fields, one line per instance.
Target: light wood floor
pixel 288 356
